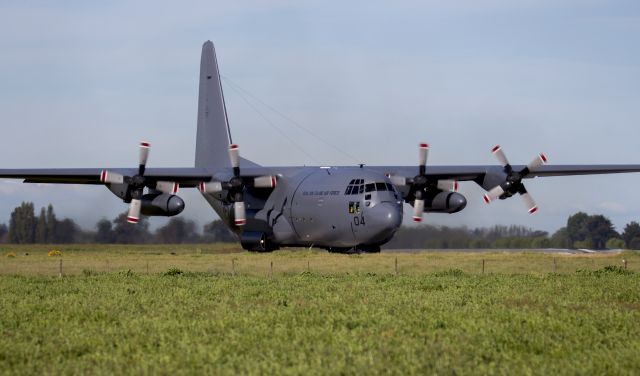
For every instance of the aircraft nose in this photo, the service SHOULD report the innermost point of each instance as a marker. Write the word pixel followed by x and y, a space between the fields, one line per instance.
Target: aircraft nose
pixel 385 219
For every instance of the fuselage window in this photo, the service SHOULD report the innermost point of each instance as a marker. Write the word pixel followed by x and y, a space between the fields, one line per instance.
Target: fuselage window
pixel 381 187
pixel 370 187
pixel 348 191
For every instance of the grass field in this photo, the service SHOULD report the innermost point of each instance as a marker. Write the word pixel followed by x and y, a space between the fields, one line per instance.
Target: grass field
pixel 319 313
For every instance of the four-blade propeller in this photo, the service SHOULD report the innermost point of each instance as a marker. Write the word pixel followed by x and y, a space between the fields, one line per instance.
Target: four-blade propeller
pixel 513 181
pixel 236 186
pixel 421 184
pixel 137 183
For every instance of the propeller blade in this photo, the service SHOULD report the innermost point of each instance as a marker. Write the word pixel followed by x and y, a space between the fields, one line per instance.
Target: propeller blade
pixel 493 194
pixel 502 158
pixel 213 187
pixel 398 180
pixel 144 155
pixel 234 156
pixel 423 151
pixel 167 187
pixel 134 211
pixel 239 213
pixel 537 162
pixel 529 202
pixel 265 182
pixel 418 209
pixel 448 185
pixel 111 177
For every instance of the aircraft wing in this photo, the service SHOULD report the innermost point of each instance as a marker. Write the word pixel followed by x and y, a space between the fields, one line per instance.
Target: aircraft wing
pixel 462 173
pixel 186 177
pixel 191 176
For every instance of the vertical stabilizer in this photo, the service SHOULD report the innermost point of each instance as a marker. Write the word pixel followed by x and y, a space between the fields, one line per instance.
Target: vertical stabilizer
pixel 213 135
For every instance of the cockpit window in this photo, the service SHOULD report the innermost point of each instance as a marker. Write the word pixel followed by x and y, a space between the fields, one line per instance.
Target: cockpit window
pixel 356 186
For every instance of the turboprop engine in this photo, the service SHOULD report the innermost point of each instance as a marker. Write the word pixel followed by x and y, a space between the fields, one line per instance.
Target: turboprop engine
pixel 161 204
pixel 445 202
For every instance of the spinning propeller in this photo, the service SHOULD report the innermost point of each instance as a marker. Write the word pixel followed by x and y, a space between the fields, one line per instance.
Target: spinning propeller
pixel 137 183
pixel 421 184
pixel 513 182
pixel 236 186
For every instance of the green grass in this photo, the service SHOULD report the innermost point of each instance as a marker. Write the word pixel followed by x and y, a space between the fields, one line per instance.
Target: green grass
pixel 349 315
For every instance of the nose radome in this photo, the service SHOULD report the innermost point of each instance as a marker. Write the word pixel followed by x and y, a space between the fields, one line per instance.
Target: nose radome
pixel 390 214
pixel 384 220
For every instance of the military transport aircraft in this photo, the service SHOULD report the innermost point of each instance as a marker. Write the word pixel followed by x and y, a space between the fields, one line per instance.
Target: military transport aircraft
pixel 341 209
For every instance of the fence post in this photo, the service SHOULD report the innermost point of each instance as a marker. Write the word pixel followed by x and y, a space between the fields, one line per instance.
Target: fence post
pixel 147 267
pixel 623 261
pixel 396 266
pixel 271 270
pixel 555 265
pixel 60 272
pixel 233 267
pixel 482 266
pixel 308 267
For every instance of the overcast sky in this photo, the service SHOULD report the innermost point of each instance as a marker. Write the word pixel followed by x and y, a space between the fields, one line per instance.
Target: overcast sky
pixel 81 83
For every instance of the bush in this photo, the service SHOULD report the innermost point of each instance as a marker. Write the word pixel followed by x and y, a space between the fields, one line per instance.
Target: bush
pixel 450 273
pixel 54 253
pixel 607 270
pixel 173 271
pixel 615 243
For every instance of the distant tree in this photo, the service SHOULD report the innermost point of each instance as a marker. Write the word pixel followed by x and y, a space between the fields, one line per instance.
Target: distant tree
pixel 217 231
pixel 3 233
pixel 560 239
pixel 577 229
pixel 41 227
pixel 177 230
pixel 67 230
pixel 52 224
pixel 22 224
pixel 593 230
pixel 631 231
pixel 125 232
pixel 634 243
pixel 600 230
pixel 104 233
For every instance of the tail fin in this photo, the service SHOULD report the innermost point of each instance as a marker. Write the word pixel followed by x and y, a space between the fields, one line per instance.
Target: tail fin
pixel 213 136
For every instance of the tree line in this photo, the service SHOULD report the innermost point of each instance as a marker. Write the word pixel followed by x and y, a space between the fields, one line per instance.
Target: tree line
pixel 581 231
pixel 27 228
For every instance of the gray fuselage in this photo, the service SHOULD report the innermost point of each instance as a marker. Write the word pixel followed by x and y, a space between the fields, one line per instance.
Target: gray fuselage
pixel 334 208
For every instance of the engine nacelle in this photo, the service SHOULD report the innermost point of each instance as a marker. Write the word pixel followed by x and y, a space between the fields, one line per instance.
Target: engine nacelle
pixel 162 204
pixel 445 202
